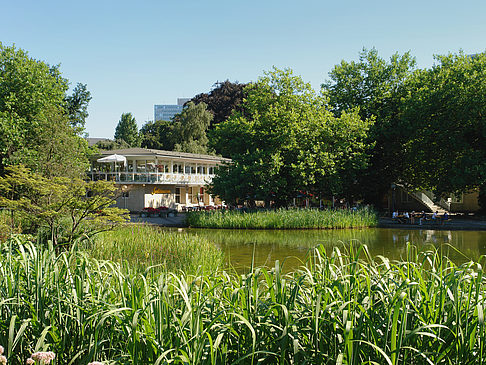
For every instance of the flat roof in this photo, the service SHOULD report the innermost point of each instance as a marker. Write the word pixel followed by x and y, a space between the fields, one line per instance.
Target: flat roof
pixel 145 152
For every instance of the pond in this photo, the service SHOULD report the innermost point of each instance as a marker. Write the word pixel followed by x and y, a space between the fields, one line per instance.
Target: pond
pixel 291 247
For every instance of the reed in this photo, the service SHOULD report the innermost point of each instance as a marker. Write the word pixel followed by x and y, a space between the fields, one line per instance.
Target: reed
pixel 144 246
pixel 343 307
pixel 284 219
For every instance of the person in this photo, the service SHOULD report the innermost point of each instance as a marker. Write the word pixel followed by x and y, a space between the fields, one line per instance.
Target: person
pixel 445 217
pixel 406 216
pixel 395 214
pixel 421 217
pixel 412 217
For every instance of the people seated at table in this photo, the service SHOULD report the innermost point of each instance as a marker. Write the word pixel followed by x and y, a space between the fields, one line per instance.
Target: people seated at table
pixel 435 216
pixel 422 216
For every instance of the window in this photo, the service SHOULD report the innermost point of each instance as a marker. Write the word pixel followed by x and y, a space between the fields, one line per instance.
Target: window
pixel 178 195
pixel 211 170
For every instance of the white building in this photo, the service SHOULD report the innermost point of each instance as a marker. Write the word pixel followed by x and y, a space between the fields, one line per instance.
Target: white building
pixel 156 178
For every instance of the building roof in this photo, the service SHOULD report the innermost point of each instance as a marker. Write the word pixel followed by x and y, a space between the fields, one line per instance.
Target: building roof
pixel 152 153
pixel 92 140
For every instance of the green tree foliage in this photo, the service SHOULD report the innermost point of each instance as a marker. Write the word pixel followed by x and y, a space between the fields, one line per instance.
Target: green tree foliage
pixel 108 145
pixel 375 88
pixel 189 128
pixel 186 133
pixel 222 100
pixel 127 130
pixel 286 141
pixel 77 106
pixel 47 203
pixel 34 125
pixel 446 106
pixel 158 135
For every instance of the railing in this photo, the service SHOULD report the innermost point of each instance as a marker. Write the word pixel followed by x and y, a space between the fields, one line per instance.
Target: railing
pixel 428 198
pixel 151 178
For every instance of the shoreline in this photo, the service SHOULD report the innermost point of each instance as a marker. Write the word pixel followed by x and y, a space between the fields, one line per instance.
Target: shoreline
pixel 454 224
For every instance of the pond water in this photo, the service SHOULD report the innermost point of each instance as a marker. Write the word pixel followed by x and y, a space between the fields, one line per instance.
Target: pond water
pixel 291 247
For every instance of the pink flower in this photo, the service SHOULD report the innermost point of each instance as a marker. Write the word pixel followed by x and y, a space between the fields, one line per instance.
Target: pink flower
pixel 1 350
pixel 95 363
pixel 3 360
pixel 30 361
pixel 44 357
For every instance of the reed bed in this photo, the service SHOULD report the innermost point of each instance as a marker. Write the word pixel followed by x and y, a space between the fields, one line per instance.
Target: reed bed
pixel 145 246
pixel 342 308
pixel 284 219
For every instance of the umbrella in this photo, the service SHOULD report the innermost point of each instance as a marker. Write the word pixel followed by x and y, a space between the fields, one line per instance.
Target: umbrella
pixel 113 158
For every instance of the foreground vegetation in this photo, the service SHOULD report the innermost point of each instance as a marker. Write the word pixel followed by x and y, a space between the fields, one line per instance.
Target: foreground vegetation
pixel 144 246
pixel 284 219
pixel 342 308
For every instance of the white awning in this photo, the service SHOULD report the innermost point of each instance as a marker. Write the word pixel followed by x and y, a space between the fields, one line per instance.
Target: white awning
pixel 113 158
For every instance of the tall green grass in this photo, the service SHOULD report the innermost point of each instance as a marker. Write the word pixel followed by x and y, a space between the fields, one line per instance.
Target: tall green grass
pixel 284 219
pixel 342 308
pixel 144 246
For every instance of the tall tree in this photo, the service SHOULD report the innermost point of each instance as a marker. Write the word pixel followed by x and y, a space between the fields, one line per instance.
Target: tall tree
pixel 375 88
pixel 446 151
pixel 158 135
pixel 286 140
pixel 127 130
pixel 222 100
pixel 190 128
pixel 77 106
pixel 32 112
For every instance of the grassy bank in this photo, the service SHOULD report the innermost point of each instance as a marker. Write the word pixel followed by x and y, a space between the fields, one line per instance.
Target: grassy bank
pixel 144 246
pixel 284 219
pixel 342 308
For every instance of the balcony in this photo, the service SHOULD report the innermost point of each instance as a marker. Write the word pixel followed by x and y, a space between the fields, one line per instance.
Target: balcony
pixel 151 178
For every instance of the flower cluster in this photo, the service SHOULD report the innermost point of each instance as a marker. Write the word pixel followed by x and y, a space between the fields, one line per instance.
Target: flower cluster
pixel 95 363
pixel 42 357
pixel 3 359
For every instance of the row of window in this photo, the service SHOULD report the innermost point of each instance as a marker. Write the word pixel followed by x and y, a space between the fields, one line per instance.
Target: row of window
pixel 161 167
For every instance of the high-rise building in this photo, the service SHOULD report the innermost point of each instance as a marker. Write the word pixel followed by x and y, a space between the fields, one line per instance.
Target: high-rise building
pixel 167 112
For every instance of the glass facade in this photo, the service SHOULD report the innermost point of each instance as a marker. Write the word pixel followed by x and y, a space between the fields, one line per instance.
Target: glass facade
pixel 166 112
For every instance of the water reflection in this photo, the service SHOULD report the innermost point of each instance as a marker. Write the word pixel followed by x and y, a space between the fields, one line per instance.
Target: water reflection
pixel 263 247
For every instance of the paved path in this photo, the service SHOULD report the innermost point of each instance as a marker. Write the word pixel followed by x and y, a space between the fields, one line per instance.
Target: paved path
pixel 178 221
pixel 456 223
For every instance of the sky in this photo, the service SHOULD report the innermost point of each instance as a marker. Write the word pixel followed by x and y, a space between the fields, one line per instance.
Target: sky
pixel 134 54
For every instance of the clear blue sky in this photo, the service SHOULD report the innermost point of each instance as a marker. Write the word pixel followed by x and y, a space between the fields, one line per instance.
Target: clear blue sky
pixel 134 54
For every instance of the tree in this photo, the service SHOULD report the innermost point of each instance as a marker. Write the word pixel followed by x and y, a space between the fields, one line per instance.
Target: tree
pixel 34 126
pixel 446 106
pixel 48 202
pixel 222 100
pixel 158 135
pixel 77 106
pixel 375 88
pixel 286 141
pixel 189 129
pixel 127 130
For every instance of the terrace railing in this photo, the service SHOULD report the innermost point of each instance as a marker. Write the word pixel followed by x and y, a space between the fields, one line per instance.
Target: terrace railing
pixel 151 178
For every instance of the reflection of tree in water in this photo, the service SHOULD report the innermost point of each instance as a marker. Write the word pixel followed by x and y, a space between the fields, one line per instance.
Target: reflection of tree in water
pixel 300 239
